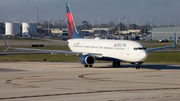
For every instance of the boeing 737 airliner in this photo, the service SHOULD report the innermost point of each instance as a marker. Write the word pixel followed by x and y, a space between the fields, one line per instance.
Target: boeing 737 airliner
pixel 90 50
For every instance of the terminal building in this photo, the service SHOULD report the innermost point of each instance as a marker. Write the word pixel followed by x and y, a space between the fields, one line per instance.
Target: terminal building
pixel 12 28
pixel 165 33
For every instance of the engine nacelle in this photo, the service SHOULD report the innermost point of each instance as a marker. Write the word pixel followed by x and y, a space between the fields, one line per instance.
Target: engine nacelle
pixel 87 60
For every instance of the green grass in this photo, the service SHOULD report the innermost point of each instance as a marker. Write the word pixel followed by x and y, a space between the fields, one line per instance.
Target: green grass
pixel 22 39
pixel 163 57
pixel 154 46
pixel 159 57
pixel 40 57
pixel 50 47
pixel 156 41
pixel 46 47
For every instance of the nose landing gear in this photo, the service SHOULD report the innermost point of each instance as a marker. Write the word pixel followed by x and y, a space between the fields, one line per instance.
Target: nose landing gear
pixel 137 65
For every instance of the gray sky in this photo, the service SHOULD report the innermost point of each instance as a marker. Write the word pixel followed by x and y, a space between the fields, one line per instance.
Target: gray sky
pixel 142 10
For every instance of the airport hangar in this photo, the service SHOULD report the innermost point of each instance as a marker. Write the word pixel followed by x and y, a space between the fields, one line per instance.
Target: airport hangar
pixel 165 33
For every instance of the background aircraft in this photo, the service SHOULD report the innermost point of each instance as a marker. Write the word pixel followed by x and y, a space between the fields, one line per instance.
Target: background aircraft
pixel 90 50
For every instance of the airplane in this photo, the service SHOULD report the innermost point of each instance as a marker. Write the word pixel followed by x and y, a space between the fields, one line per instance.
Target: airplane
pixel 90 50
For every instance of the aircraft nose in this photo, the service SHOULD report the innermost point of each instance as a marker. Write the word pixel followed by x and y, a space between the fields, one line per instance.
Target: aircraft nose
pixel 143 55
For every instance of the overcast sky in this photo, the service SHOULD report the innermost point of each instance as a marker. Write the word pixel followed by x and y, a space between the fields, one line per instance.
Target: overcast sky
pixel 140 10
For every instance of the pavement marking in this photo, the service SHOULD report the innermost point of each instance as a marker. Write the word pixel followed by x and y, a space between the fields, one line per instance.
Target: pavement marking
pixel 8 81
pixel 102 79
pixel 101 91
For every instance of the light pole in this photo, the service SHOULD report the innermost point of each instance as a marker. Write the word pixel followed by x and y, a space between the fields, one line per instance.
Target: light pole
pixel 86 24
pixel 35 19
pixel 92 26
pixel 92 23
pixel 132 24
pixel 98 25
pixel 119 25
pixel 107 27
pixel 62 23
pixel 48 26
pixel 136 23
pixel 125 23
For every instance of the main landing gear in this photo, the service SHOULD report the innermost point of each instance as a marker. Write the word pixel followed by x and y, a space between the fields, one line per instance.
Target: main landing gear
pixel 116 64
pixel 87 65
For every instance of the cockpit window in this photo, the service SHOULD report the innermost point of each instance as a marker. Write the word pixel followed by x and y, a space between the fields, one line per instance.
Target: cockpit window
pixel 140 48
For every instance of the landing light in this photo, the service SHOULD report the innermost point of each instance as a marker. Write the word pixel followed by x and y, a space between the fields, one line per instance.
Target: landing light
pixel 97 38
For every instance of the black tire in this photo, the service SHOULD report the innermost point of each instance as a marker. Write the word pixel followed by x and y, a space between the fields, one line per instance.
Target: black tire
pixel 137 67
pixel 114 64
pixel 85 65
pixel 118 63
pixel 90 65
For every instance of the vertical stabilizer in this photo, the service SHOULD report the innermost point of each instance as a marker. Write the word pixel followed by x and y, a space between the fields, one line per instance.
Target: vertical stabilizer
pixel 71 25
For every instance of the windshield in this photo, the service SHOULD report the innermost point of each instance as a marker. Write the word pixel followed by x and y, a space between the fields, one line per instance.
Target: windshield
pixel 139 48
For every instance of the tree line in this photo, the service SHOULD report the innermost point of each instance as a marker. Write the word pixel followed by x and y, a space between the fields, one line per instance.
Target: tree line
pixel 86 25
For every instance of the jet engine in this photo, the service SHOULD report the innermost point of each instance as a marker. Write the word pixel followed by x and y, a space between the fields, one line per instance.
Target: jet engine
pixel 87 60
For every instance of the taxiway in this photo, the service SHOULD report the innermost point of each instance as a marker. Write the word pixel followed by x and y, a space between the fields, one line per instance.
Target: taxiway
pixel 70 81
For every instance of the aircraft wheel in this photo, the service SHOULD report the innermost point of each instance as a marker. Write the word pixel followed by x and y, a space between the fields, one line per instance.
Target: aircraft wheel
pixel 118 63
pixel 85 65
pixel 90 65
pixel 114 64
pixel 137 67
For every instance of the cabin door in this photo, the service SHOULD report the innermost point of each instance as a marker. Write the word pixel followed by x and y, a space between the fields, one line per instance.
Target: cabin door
pixel 127 51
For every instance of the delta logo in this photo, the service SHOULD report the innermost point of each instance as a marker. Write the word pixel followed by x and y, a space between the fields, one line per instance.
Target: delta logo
pixel 119 45
pixel 75 44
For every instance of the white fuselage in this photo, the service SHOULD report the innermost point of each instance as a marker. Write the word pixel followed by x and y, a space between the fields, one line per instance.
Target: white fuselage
pixel 123 50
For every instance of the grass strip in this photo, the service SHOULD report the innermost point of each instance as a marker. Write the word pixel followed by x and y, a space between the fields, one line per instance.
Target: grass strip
pixel 163 57
pixel 46 47
pixel 40 58
pixel 159 57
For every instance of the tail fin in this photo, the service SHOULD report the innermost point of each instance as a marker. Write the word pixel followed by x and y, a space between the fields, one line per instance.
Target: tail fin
pixel 71 25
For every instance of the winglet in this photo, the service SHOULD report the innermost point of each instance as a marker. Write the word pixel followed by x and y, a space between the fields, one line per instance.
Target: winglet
pixel 175 40
pixel 6 45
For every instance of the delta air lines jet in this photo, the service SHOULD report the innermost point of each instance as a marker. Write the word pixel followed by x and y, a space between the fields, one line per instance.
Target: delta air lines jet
pixel 90 50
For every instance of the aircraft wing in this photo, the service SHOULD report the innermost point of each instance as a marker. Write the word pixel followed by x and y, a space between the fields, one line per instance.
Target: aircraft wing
pixel 51 51
pixel 160 48
pixel 57 51
pixel 42 50
pixel 49 39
